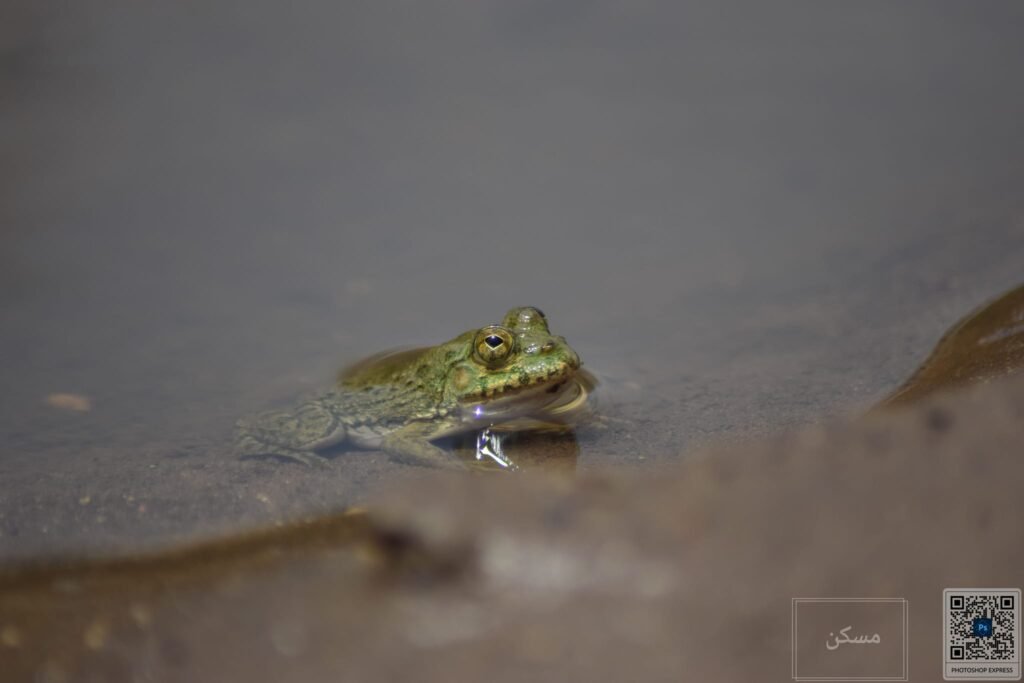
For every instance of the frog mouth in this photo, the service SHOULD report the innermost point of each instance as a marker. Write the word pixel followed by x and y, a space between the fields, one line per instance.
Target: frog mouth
pixel 520 398
pixel 550 382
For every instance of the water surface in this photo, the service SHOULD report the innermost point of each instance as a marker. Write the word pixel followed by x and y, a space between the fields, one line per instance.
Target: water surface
pixel 744 218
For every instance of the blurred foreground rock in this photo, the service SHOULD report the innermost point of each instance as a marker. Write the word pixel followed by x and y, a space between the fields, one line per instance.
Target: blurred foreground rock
pixel 682 574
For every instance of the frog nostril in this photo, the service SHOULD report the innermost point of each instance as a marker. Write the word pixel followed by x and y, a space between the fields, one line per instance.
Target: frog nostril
pixel 548 346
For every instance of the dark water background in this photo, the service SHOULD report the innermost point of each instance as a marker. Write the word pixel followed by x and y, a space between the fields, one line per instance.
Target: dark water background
pixel 744 217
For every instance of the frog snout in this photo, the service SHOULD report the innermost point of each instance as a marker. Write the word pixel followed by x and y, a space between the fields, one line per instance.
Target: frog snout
pixel 571 357
pixel 559 344
pixel 553 343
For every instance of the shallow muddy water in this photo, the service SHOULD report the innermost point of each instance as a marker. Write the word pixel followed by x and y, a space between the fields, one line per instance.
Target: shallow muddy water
pixel 744 220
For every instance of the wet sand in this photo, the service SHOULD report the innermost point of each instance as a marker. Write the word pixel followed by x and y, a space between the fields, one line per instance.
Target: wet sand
pixel 642 577
pixel 528 576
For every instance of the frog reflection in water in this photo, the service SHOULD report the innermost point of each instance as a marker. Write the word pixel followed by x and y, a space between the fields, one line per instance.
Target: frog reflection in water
pixel 400 402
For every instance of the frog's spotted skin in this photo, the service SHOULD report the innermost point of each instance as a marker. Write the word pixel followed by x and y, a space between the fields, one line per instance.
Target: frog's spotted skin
pixel 400 402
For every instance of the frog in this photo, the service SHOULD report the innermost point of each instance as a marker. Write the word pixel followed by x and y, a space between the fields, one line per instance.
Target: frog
pixel 401 402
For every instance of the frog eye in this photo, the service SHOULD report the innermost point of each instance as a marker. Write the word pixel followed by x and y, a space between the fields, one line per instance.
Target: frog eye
pixel 493 345
pixel 526 318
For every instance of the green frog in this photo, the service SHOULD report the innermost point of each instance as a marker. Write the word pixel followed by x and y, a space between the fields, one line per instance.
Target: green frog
pixel 400 402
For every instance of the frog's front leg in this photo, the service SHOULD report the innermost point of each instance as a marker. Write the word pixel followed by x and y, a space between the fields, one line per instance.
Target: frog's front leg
pixel 291 435
pixel 412 443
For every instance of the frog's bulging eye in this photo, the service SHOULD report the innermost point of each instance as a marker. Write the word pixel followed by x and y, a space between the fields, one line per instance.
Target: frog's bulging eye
pixel 526 318
pixel 493 345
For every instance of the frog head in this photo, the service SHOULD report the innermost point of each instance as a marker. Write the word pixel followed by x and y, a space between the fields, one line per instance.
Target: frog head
pixel 511 368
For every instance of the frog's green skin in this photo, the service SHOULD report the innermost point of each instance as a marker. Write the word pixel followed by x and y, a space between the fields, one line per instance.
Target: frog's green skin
pixel 400 402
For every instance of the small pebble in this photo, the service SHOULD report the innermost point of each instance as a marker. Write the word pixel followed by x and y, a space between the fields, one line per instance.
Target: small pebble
pixel 95 636
pixel 10 636
pixel 73 402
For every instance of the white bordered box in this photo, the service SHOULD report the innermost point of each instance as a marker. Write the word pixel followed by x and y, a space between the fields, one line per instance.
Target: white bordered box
pixel 850 639
pixel 981 630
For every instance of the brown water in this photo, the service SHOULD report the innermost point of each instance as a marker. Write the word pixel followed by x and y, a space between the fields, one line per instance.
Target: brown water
pixel 744 219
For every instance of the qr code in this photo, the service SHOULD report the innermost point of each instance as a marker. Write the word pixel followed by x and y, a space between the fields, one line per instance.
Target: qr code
pixel 983 627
